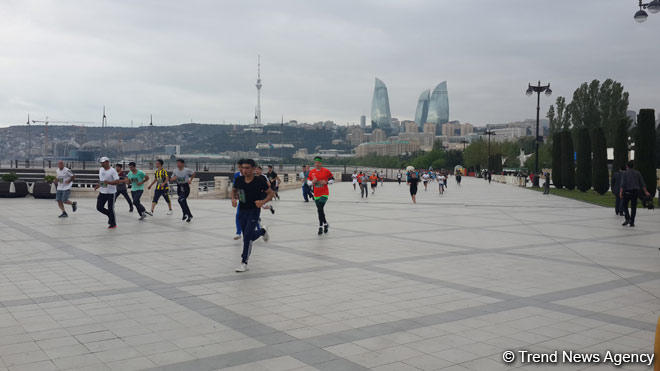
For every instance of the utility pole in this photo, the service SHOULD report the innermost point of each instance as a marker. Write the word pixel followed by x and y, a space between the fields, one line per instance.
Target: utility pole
pixel 257 113
pixel 29 138
pixel 538 89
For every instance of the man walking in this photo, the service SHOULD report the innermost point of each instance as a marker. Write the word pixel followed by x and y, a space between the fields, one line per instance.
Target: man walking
pixel 183 177
pixel 616 188
pixel 632 184
pixel 121 187
pixel 250 193
pixel 64 181
pixel 162 188
pixel 319 178
pixel 108 180
pixel 137 178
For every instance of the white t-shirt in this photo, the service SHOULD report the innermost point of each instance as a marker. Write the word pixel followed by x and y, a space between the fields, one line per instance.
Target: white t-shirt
pixel 107 176
pixel 441 179
pixel 63 176
pixel 425 177
pixel 354 178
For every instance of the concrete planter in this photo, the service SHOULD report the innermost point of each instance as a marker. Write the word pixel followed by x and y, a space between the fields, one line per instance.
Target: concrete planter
pixel 13 189
pixel 43 190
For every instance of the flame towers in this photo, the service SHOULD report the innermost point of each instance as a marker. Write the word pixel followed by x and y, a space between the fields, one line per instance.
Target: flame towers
pixel 439 105
pixel 380 107
pixel 422 112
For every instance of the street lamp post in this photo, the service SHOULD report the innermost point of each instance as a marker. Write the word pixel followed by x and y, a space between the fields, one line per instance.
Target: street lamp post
pixel 641 15
pixel 538 89
pixel 489 133
pixel 464 141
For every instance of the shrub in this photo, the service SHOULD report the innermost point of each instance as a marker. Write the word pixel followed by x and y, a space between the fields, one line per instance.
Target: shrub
pixel 567 160
pixel 583 176
pixel 10 177
pixel 556 160
pixel 599 163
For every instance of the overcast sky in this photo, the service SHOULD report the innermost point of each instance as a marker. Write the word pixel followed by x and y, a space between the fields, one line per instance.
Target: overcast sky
pixel 196 60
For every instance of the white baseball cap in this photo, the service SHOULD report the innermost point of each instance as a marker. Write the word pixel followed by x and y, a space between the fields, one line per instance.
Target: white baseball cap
pixel 104 159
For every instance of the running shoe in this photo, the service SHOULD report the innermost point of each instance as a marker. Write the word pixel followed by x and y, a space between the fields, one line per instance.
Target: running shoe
pixel 242 268
pixel 325 228
pixel 148 213
pixel 74 206
pixel 142 217
pixel 112 226
pixel 237 237
pixel 320 231
pixel 184 217
pixel 272 209
pixel 63 215
pixel 189 219
pixel 169 212
pixel 266 235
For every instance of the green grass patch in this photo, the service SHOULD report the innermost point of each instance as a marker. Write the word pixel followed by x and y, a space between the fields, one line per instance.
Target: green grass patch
pixel 590 196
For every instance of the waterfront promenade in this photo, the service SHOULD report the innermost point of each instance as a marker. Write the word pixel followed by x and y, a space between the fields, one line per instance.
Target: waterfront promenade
pixel 449 283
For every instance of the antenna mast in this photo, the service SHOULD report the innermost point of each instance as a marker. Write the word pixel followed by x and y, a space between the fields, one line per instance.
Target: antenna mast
pixel 257 114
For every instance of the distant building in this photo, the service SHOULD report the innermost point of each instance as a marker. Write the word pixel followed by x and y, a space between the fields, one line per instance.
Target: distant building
pixel 410 127
pixel 438 112
pixel 422 112
pixel 391 147
pixel 456 129
pixel 395 125
pixel 429 128
pixel 424 140
pixel 172 149
pixel 381 118
pixel 355 135
pixel 378 135
pixel 363 122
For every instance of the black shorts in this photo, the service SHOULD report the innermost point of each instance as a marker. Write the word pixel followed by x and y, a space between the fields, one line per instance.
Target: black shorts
pixel 413 190
pixel 161 192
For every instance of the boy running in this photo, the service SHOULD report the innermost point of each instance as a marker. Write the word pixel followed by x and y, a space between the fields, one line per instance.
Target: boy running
pixel 183 177
pixel 162 188
pixel 137 178
pixel 319 178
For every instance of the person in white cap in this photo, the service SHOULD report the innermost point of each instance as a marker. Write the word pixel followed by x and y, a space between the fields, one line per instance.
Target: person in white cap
pixel 108 180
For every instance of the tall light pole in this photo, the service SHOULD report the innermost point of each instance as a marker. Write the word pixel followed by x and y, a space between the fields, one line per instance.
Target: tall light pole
pixel 29 138
pixel 538 89
pixel 489 133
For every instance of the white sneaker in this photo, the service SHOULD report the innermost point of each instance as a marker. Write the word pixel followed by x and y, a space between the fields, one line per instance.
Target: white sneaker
pixel 169 212
pixel 266 236
pixel 242 268
pixel 237 237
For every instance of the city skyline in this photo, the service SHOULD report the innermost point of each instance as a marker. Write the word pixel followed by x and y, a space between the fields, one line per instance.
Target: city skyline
pixel 177 61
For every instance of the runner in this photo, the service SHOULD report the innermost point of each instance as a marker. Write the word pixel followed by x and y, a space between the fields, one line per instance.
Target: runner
pixel 238 208
pixel 183 177
pixel 108 180
pixel 441 183
pixel 121 187
pixel 425 179
pixel 458 178
pixel 398 177
pixel 274 181
pixel 374 182
pixel 412 179
pixel 137 178
pixel 354 176
pixel 362 181
pixel 320 177
pixel 250 193
pixel 64 181
pixel 306 189
pixel 381 178
pixel 162 188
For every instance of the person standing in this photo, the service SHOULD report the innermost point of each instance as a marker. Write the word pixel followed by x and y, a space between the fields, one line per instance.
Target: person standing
pixel 162 187
pixel 274 181
pixel 121 187
pixel 616 188
pixel 137 178
pixel 632 184
pixel 183 177
pixel 319 178
pixel 362 182
pixel 354 176
pixel 64 181
pixel 108 180
pixel 412 181
pixel 250 193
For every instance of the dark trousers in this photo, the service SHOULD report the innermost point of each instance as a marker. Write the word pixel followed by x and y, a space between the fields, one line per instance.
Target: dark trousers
pixel 307 191
pixel 618 203
pixel 108 198
pixel 183 191
pixel 124 193
pixel 320 204
pixel 364 192
pixel 546 187
pixel 136 195
pixel 630 196
pixel 249 222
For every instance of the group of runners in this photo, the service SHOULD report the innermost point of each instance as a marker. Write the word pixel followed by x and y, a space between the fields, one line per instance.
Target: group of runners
pixel 414 177
pixel 363 180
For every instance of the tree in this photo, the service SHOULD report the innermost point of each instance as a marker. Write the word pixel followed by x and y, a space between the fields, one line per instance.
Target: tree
pixel 563 114
pixel 585 106
pixel 599 162
pixel 645 147
pixel 552 121
pixel 556 159
pixel 613 109
pixel 476 154
pixel 567 160
pixel 621 145
pixel 583 178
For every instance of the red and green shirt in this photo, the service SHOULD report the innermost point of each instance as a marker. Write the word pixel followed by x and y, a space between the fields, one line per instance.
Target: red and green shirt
pixel 320 190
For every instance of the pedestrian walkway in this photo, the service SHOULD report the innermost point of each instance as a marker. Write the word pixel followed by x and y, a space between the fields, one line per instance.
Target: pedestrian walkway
pixel 449 283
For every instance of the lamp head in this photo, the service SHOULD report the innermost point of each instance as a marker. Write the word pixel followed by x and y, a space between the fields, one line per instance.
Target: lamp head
pixel 641 16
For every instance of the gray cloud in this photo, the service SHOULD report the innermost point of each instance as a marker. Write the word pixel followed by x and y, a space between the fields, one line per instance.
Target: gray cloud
pixel 196 59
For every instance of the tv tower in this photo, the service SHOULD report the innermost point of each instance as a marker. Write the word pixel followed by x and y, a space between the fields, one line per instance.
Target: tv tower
pixel 257 113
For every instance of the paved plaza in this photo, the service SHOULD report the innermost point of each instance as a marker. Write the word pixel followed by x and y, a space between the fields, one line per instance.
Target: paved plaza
pixel 449 283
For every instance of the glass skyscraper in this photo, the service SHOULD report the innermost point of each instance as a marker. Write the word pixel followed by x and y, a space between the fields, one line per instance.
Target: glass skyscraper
pixel 380 107
pixel 422 112
pixel 439 105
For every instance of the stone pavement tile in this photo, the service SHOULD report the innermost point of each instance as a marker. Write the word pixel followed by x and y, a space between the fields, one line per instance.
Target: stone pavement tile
pixel 76 362
pixel 428 362
pixel 396 366
pixel 35 366
pixel 138 363
pixel 169 357
pixel 22 358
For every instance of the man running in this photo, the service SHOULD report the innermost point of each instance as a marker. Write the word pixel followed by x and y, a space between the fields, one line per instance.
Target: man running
pixel 108 180
pixel 64 181
pixel 121 187
pixel 354 176
pixel 381 178
pixel 374 182
pixel 319 178
pixel 250 193
pixel 413 180
pixel 306 189
pixel 259 171
pixel 362 181
pixel 137 178
pixel 425 179
pixel 441 183
pixel 183 177
pixel 398 177
pixel 459 176
pixel 238 173
pixel 162 188
pixel 274 181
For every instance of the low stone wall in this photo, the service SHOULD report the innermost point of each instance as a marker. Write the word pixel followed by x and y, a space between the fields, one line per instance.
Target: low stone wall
pixel 509 179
